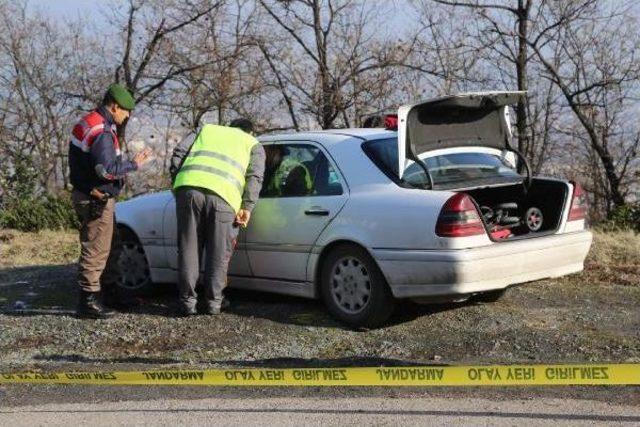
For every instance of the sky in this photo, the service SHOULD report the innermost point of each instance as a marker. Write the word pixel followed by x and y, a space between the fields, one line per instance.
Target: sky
pixel 64 8
pixel 92 10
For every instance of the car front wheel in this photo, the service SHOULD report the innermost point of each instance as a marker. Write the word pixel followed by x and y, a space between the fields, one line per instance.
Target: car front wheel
pixel 354 289
pixel 127 268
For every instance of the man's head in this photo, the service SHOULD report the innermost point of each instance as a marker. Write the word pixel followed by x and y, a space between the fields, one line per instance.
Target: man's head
pixel 273 156
pixel 245 124
pixel 373 122
pixel 119 102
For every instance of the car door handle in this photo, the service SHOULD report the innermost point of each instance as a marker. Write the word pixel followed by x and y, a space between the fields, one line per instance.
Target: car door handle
pixel 316 210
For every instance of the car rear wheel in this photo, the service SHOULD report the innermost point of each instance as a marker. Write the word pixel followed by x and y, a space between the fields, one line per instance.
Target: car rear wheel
pixel 127 269
pixel 354 289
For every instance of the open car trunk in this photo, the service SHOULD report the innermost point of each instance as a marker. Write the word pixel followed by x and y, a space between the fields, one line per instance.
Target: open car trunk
pixel 478 119
pixel 510 212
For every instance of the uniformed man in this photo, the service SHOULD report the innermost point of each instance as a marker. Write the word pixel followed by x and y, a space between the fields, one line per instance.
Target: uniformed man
pixel 217 178
pixel 285 176
pixel 97 170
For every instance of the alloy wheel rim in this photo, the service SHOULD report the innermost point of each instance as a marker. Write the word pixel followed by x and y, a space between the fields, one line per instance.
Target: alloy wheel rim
pixel 534 219
pixel 350 285
pixel 132 266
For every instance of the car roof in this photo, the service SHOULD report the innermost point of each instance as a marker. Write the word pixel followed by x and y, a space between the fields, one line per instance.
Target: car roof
pixel 332 136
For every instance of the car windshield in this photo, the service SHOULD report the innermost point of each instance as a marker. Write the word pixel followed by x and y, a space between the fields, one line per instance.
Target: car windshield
pixel 446 171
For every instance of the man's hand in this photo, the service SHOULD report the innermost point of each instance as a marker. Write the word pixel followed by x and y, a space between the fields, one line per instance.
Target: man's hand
pixel 98 195
pixel 242 218
pixel 142 157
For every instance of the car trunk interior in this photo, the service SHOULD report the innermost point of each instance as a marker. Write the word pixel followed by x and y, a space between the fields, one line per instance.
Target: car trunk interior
pixel 511 212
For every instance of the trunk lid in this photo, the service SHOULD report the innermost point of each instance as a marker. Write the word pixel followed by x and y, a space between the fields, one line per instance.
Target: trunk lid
pixel 467 119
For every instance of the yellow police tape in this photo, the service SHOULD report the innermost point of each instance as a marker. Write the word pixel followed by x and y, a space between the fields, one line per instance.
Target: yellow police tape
pixel 495 375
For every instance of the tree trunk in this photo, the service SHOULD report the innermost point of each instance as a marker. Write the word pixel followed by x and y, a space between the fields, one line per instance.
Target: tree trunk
pixel 617 198
pixel 521 73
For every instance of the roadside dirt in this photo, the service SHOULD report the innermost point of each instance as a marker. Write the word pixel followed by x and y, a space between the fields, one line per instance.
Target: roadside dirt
pixel 593 316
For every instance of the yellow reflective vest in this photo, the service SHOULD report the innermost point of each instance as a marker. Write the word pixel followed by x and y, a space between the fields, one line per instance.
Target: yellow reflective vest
pixel 277 184
pixel 218 161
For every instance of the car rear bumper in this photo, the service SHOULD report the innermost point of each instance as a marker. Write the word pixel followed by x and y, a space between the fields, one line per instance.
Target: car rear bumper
pixel 419 273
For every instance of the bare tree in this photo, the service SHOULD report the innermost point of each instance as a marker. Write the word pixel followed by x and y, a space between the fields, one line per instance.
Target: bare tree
pixel 506 31
pixel 599 79
pixel 443 57
pixel 230 79
pixel 335 59
pixel 320 63
pixel 503 33
pixel 50 73
pixel 35 111
pixel 152 34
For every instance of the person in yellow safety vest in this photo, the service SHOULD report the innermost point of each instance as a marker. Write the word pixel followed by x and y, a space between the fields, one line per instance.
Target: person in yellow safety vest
pixel 291 177
pixel 216 179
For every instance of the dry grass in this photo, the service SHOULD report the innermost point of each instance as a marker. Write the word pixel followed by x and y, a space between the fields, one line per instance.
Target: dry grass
pixel 18 249
pixel 613 254
pixel 614 258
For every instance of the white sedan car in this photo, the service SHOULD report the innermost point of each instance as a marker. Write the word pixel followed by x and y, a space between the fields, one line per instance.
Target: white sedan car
pixel 435 210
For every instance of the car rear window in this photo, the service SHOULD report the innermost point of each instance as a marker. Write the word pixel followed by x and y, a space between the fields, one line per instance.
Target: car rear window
pixel 447 170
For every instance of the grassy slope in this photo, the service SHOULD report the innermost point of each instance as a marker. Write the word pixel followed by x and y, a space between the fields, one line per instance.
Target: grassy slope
pixel 614 259
pixel 18 249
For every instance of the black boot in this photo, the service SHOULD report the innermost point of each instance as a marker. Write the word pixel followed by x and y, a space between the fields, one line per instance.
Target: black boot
pixel 90 307
pixel 112 297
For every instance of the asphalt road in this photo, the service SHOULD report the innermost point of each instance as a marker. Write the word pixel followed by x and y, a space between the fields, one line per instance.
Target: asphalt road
pixel 326 411
pixel 184 405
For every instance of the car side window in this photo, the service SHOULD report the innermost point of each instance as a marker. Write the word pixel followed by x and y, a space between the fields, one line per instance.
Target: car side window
pixel 298 170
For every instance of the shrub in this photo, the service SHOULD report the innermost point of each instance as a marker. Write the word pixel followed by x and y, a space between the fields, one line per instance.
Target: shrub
pixel 23 207
pixel 61 212
pixel 32 213
pixel 625 217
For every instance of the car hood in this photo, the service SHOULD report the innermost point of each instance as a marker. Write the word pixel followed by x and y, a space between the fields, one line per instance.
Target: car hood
pixel 467 119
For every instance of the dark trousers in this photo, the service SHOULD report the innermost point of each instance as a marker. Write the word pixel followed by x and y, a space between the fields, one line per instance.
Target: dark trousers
pixel 206 232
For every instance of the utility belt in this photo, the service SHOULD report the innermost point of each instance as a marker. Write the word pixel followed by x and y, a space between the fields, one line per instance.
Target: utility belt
pixel 95 202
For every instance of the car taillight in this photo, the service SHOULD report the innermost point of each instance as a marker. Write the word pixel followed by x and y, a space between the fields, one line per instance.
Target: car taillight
pixel 459 218
pixel 578 204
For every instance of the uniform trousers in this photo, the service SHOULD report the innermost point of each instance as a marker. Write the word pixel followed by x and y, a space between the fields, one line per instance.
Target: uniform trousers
pixel 96 235
pixel 206 235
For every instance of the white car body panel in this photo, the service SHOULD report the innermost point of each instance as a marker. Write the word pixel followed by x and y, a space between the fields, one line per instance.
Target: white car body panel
pixel 143 215
pixel 281 236
pixel 416 273
pixel 285 221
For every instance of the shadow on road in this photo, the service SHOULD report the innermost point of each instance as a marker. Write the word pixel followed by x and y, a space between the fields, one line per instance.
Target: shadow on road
pixel 51 291
pixel 279 363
